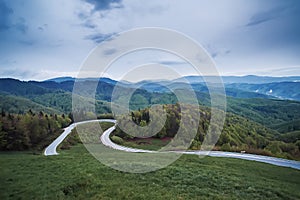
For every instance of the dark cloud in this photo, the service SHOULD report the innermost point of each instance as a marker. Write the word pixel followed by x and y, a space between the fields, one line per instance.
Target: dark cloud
pixel 99 37
pixel 99 5
pixel 171 62
pixel 220 53
pixel 21 25
pixel 279 26
pixel 110 51
pixel 7 23
pixel 214 54
pixel 43 27
pixel 265 16
pixel 5 13
pixel 89 24
pixel 105 4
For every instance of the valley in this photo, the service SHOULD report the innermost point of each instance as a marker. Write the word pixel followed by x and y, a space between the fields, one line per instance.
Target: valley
pixel 34 114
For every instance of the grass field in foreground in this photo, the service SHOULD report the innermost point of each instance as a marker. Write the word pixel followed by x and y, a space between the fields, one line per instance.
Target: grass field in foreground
pixel 75 174
pixel 147 143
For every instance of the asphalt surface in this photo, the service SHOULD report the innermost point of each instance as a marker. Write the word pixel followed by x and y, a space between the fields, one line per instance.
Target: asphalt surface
pixel 51 149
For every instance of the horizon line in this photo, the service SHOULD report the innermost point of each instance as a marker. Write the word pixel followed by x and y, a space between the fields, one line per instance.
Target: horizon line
pixel 191 75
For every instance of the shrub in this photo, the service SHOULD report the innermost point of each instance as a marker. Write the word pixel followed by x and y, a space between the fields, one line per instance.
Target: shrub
pixel 117 140
pixel 274 147
pixel 226 147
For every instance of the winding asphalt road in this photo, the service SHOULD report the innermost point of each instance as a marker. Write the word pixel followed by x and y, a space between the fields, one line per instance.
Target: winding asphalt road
pixel 51 149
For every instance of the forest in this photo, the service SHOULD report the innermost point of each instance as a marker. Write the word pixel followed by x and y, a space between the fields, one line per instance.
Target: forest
pixel 30 131
pixel 34 113
pixel 238 134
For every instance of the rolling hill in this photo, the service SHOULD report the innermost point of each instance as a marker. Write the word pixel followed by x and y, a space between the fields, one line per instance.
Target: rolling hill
pixel 254 122
pixel 58 96
pixel 281 90
pixel 20 105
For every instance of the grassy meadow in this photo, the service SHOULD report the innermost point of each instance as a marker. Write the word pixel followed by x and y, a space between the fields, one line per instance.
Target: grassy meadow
pixel 77 174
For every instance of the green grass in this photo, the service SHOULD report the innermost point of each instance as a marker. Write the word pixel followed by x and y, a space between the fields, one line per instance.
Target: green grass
pixel 147 143
pixel 76 174
pixel 73 138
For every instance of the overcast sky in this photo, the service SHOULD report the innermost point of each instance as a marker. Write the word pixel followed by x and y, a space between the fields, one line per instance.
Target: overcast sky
pixel 45 39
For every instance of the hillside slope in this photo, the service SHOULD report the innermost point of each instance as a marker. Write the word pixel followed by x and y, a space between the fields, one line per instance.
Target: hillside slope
pixel 15 104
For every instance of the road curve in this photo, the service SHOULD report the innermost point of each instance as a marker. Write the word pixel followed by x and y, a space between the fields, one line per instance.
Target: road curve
pixel 51 149
pixel 107 142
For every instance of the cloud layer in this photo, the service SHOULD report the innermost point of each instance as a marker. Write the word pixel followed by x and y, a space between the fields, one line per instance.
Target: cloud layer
pixel 49 38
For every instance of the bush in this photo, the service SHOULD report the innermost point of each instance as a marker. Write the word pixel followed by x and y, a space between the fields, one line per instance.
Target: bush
pixel 274 148
pixel 195 145
pixel 106 116
pixel 259 152
pixel 117 140
pixel 288 147
pixel 226 147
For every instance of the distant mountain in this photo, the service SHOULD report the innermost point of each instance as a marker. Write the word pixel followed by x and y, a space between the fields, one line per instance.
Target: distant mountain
pixel 21 88
pixel 285 90
pixel 67 78
pixel 46 95
pixel 240 87
pixel 65 85
pixel 251 79
pixel 61 79
pixel 20 105
pixel 281 90
pixel 58 96
pixel 239 79
pixel 163 87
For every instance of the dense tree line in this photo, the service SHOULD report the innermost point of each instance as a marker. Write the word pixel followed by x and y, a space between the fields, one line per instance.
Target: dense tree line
pixel 238 134
pixel 30 131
